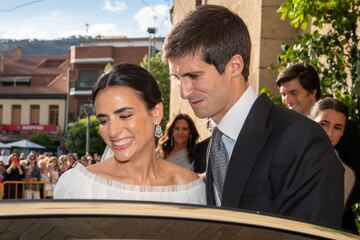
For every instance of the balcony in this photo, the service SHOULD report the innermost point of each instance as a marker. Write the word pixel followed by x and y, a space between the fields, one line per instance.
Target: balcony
pixel 79 88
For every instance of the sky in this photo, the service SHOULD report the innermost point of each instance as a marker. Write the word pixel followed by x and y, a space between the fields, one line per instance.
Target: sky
pixel 54 19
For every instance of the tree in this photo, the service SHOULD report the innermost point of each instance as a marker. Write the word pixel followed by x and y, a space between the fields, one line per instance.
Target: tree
pixel 332 48
pixel 76 137
pixel 42 139
pixel 160 71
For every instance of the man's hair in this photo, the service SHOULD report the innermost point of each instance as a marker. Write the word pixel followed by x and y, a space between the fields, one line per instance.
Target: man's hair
pixel 214 32
pixel 307 75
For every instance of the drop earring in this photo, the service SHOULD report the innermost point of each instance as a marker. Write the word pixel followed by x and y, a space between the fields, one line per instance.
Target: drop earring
pixel 158 131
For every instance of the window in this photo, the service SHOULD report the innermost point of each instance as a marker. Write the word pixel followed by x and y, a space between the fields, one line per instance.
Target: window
pixel 34 114
pixel 87 78
pixel 1 114
pixel 16 114
pixel 54 114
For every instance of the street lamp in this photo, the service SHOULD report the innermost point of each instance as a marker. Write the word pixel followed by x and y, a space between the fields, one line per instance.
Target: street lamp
pixel 151 31
pixel 88 111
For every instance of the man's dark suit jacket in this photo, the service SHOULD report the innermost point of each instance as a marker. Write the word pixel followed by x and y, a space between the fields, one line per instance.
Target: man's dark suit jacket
pixel 200 156
pixel 283 164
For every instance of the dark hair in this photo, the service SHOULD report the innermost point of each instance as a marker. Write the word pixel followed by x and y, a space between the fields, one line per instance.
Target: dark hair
pixel 328 103
pixel 307 75
pixel 166 144
pixel 134 77
pixel 214 32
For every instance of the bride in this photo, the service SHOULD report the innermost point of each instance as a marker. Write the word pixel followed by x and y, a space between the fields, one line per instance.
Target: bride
pixel 128 105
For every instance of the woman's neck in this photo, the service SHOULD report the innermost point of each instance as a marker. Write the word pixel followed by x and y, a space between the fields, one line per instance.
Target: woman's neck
pixel 178 147
pixel 141 169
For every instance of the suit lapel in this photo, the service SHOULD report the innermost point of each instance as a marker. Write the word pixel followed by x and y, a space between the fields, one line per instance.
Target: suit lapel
pixel 247 148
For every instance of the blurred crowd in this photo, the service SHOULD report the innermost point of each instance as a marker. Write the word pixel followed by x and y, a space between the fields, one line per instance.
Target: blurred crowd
pixel 34 176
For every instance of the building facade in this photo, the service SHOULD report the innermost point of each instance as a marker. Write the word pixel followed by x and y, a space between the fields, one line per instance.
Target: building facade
pixel 87 62
pixel 32 95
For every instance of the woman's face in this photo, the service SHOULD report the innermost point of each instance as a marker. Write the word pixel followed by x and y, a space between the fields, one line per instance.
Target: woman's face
pixel 181 132
pixel 333 123
pixel 126 126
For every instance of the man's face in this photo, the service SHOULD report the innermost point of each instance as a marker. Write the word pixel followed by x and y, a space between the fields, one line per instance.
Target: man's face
pixel 297 98
pixel 208 92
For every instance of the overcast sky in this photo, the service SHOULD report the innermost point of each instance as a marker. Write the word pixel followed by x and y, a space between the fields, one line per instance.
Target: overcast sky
pixel 52 19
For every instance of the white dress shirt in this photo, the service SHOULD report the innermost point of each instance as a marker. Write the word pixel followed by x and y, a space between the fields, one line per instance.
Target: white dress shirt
pixel 232 122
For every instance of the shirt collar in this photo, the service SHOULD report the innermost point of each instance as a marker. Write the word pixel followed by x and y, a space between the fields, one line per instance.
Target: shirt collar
pixel 233 121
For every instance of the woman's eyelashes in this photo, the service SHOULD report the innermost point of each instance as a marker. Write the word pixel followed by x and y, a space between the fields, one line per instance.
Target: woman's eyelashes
pixel 125 116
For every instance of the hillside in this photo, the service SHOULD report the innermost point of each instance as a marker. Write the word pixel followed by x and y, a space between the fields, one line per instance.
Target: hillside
pixel 42 47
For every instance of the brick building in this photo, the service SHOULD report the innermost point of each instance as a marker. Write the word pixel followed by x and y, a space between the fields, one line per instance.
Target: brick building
pixel 32 95
pixel 87 63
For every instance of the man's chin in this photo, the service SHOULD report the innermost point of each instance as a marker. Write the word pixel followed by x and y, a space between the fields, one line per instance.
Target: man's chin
pixel 200 114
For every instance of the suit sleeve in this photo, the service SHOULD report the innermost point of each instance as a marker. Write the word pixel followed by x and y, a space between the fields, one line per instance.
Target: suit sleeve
pixel 307 175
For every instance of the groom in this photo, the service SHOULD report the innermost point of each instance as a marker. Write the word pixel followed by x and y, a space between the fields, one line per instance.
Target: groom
pixel 262 157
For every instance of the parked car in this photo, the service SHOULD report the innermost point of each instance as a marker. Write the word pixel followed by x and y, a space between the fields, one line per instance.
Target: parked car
pixel 63 219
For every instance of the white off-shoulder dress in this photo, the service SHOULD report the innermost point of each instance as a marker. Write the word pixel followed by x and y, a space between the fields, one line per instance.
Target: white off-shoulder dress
pixel 79 183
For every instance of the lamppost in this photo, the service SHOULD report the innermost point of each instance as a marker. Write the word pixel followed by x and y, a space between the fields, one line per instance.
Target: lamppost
pixel 151 31
pixel 88 112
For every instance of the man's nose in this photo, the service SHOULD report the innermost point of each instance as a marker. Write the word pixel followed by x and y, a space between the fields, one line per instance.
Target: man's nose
pixel 186 88
pixel 286 99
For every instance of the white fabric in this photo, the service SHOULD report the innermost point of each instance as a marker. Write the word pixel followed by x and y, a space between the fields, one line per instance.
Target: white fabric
pixel 181 159
pixel 79 183
pixel 107 153
pixel 231 124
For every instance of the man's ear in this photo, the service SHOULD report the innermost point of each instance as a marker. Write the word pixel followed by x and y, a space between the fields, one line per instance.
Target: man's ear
pixel 236 64
pixel 157 113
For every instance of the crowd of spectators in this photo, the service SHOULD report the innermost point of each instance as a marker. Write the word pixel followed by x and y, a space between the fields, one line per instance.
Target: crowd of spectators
pixel 34 176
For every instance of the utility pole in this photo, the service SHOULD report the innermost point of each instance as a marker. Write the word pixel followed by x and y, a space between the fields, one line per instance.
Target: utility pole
pixel 151 31
pixel 87 112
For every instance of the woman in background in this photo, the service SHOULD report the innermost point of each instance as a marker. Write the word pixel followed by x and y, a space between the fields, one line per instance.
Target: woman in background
pixel 178 144
pixel 332 116
pixel 13 172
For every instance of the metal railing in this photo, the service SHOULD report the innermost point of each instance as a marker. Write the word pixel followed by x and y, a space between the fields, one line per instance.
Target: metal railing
pixel 26 190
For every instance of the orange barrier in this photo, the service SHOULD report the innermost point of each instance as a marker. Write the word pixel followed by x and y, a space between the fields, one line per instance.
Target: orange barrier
pixel 27 190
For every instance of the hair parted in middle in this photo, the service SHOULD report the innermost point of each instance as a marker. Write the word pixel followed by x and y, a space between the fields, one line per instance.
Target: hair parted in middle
pixel 166 142
pixel 134 77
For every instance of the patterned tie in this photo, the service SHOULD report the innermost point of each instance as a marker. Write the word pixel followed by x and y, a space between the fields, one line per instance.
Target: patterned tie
pixel 218 160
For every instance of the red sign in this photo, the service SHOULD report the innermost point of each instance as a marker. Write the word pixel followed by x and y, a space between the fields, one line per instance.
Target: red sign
pixel 24 127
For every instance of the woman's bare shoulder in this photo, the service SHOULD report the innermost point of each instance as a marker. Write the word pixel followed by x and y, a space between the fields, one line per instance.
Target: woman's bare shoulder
pixel 179 174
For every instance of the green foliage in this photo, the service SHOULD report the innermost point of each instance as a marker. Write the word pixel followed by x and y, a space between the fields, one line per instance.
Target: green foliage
pixel 275 99
pixel 333 52
pixel 42 139
pixel 160 71
pixel 76 137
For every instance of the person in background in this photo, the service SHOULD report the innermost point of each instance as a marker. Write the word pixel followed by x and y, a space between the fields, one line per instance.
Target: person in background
pixel 44 173
pixel 53 176
pixel 299 86
pixel 128 105
pixel 4 158
pixel 62 163
pixel 2 175
pixel 32 174
pixel 332 115
pixel 260 159
pixel 97 157
pixel 178 144
pixel 14 172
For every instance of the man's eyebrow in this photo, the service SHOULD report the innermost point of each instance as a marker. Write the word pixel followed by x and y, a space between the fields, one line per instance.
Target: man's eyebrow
pixel 187 74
